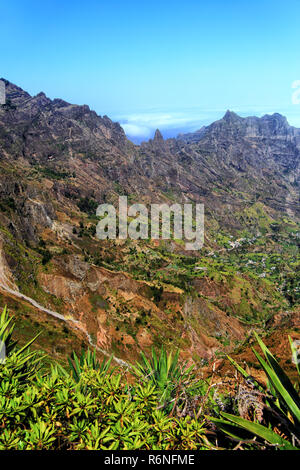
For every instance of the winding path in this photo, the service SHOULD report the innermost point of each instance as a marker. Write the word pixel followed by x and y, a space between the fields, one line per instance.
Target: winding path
pixel 75 323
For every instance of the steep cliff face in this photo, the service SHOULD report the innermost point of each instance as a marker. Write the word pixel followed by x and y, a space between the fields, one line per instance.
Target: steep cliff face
pixel 41 129
pixel 260 144
pixel 237 157
pixel 58 161
pixel 241 158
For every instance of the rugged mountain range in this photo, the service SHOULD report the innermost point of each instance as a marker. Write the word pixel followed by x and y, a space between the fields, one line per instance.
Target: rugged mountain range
pixel 58 161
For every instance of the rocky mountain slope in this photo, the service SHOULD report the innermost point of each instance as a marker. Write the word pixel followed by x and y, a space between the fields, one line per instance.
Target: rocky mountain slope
pixel 59 161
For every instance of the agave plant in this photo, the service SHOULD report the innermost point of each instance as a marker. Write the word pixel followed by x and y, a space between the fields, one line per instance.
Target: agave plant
pixel 54 411
pixel 25 362
pixel 6 330
pixel 165 373
pixel 282 404
pixel 89 360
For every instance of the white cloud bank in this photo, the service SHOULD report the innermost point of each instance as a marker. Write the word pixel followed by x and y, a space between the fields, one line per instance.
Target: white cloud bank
pixel 141 126
pixel 136 130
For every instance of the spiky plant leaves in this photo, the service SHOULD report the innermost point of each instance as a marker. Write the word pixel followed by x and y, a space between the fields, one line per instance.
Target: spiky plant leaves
pixel 282 385
pixel 295 355
pixel 262 431
pixel 88 409
pixel 88 360
pixel 283 404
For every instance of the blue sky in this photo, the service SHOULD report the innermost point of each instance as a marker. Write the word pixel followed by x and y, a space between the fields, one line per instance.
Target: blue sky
pixel 170 64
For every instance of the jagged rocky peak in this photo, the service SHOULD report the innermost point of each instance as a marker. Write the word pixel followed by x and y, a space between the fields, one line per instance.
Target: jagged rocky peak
pixel 273 126
pixel 14 93
pixel 277 125
pixel 276 121
pixel 156 144
pixel 41 127
pixel 233 127
pixel 276 117
pixel 41 99
pixel 270 126
pixel 23 100
pixel 231 116
pixel 158 136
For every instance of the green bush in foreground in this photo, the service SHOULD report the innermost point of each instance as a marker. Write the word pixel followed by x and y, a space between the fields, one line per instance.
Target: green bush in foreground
pixel 87 409
pixel 93 406
pixel 175 383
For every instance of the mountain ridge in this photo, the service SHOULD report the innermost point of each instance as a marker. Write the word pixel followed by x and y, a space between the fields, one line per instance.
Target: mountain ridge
pixel 229 116
pixel 58 161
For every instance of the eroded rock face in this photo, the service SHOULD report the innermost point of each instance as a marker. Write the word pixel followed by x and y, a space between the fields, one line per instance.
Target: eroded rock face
pixel 58 161
pixel 38 212
pixel 6 276
pixel 104 302
pixel 77 267
pixel 256 157
pixel 41 129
